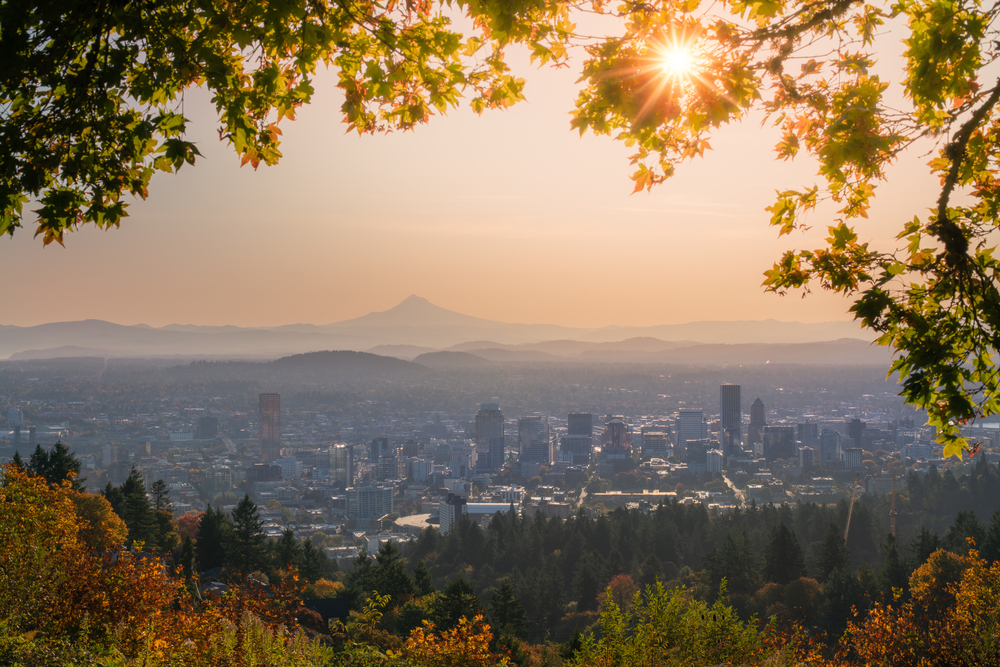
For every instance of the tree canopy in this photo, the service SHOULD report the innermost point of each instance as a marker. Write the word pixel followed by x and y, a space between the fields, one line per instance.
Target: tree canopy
pixel 91 105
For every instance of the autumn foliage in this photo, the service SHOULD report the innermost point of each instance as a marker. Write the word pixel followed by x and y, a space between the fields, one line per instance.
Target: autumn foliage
pixel 465 645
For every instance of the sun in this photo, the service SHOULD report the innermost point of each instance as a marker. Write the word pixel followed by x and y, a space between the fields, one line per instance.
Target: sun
pixel 677 62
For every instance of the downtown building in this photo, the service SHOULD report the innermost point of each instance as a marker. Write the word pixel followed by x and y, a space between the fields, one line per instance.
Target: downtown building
pixel 535 444
pixel 270 427
pixel 489 437
pixel 577 446
pixel 691 427
pixel 730 421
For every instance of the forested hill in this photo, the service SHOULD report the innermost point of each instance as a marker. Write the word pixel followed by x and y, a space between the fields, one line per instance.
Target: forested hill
pixel 559 569
pixel 329 367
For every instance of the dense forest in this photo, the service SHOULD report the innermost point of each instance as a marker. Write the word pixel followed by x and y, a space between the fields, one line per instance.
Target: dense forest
pixel 112 579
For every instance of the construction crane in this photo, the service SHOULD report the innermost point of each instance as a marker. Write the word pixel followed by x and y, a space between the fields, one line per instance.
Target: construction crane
pixel 850 507
pixel 892 512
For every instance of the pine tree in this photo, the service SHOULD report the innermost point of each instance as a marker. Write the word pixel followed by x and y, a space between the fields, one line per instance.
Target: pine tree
pixel 245 549
pixel 587 581
pixel 831 554
pixel 506 611
pixel 115 498
pixel 735 562
pixel 456 600
pixel 893 573
pixel 923 546
pixel 56 466
pixel 965 526
pixel 210 546
pixel 314 561
pixel 422 583
pixel 17 460
pixel 289 550
pixel 186 557
pixel 389 576
pixel 136 511
pixel 991 542
pixel 783 557
pixel 163 514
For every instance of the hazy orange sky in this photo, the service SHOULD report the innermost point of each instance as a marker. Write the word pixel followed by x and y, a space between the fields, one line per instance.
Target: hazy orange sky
pixel 508 216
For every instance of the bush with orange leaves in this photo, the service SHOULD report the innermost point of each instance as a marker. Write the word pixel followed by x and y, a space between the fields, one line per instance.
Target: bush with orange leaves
pixel 66 581
pixel 62 568
pixel 953 618
pixel 466 645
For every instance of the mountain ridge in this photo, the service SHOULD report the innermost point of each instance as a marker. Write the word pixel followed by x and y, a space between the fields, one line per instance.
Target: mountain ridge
pixel 414 322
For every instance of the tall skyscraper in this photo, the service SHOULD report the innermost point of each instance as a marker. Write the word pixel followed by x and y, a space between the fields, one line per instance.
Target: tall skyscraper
pixel 270 427
pixel 758 420
pixel 691 427
pixel 342 465
pixel 577 446
pixel 856 432
pixel 581 423
pixel 535 442
pixel 489 437
pixel 616 441
pixel 779 442
pixel 378 449
pixel 731 420
pixel 830 446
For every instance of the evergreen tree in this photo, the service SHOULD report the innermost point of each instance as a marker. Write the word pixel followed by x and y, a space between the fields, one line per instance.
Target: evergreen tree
pixel 161 496
pixel 288 550
pixel 56 466
pixel 163 514
pixel 115 498
pixel 923 546
pixel 18 461
pixel 893 573
pixel 587 581
pixel 783 557
pixel 965 526
pixel 422 583
pixel 831 554
pixel 506 611
pixel 136 511
pixel 456 600
pixel 389 576
pixel 357 585
pixel 735 562
pixel 314 562
pixel 186 557
pixel 843 593
pixel 991 542
pixel 245 550
pixel 212 538
pixel 650 572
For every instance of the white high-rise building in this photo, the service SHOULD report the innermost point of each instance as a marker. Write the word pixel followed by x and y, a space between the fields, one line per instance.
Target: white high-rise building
pixel 691 427
pixel 291 467
pixel 370 502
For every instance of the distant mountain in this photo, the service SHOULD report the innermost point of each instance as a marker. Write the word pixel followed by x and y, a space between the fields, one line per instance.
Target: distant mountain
pixel 508 356
pixel 847 351
pixel 416 311
pixel 412 327
pixel 63 352
pixel 405 352
pixel 448 359
pixel 329 367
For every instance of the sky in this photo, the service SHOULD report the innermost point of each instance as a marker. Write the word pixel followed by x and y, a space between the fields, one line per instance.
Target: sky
pixel 508 216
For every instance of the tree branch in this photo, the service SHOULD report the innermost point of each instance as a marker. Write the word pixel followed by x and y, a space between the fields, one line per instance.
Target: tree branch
pixel 955 244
